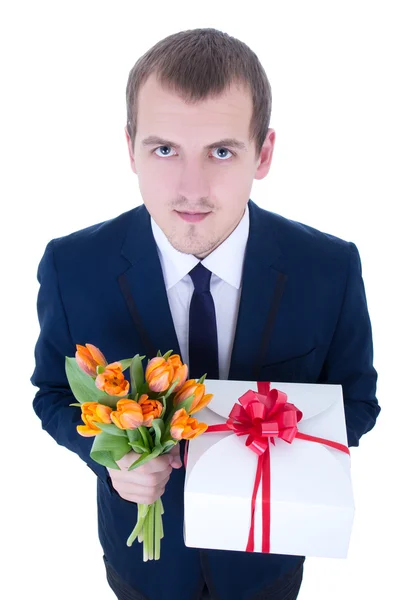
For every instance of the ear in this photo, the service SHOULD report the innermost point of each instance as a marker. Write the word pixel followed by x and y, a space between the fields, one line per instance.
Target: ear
pixel 130 150
pixel 265 158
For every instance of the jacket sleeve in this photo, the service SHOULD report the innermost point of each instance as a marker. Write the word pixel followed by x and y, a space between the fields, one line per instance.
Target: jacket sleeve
pixel 51 402
pixel 349 361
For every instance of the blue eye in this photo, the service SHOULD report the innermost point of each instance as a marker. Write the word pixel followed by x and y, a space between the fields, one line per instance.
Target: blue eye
pixel 225 150
pixel 163 148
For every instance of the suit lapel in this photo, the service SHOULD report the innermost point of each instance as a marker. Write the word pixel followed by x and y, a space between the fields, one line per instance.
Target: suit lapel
pixel 143 288
pixel 262 289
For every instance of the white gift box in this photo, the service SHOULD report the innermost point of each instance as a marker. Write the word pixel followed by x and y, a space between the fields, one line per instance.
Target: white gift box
pixel 312 505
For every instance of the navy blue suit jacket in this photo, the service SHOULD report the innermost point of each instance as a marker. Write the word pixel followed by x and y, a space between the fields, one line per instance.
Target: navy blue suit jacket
pixel 303 317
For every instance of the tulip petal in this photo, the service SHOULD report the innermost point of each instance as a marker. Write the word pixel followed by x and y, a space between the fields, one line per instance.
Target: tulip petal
pixel 86 431
pixel 86 363
pixel 98 356
pixel 126 404
pixel 115 419
pixel 131 419
pixel 203 402
pixel 103 412
pixel 193 433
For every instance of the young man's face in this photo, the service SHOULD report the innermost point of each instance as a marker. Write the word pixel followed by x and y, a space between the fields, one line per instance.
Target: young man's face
pixel 179 174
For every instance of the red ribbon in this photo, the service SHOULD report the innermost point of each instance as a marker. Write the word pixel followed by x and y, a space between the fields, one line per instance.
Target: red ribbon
pixel 262 416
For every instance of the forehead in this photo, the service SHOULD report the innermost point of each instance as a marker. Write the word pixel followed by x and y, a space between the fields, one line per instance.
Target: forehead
pixel 164 112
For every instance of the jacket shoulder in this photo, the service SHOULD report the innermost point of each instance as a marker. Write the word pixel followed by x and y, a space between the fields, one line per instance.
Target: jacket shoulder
pixel 109 232
pixel 296 239
pixel 98 243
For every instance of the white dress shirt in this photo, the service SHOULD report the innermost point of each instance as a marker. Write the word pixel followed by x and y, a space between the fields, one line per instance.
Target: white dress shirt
pixel 226 266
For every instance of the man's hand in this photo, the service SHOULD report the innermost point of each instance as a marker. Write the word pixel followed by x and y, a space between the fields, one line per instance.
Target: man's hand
pixel 146 483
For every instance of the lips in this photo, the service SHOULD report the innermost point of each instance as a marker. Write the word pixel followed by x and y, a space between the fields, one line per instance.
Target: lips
pixel 192 217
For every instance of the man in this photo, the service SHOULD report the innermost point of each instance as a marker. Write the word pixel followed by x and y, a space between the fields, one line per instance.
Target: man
pixel 280 300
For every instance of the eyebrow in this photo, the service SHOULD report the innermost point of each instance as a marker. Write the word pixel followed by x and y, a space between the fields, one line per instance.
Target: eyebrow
pixel 153 140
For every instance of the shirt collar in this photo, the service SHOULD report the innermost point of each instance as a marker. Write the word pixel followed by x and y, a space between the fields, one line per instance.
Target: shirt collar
pixel 226 261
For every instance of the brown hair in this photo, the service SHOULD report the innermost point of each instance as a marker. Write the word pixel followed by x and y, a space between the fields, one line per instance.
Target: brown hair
pixel 201 63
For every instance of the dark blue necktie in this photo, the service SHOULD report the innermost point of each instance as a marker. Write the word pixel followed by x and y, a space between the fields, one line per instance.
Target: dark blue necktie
pixel 203 340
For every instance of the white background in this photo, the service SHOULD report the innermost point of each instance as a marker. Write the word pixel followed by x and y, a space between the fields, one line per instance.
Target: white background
pixel 334 71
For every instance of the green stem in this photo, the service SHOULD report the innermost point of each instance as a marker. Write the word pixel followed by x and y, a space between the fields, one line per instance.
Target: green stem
pixel 140 535
pixel 161 522
pixel 157 530
pixel 167 419
pixel 151 531
pixel 145 546
pixel 142 512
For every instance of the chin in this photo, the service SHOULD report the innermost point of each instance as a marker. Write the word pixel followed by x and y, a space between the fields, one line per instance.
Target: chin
pixel 189 248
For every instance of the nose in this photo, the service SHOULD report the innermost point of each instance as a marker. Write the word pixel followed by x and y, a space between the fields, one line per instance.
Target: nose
pixel 193 182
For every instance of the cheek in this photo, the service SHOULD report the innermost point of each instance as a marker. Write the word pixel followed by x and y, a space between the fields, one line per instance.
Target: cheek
pixel 161 175
pixel 231 185
pixel 155 183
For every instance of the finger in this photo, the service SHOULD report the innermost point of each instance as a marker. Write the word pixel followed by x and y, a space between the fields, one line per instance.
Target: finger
pixel 132 492
pixel 146 480
pixel 161 463
pixel 176 462
pixel 126 461
pixel 175 450
pixel 145 498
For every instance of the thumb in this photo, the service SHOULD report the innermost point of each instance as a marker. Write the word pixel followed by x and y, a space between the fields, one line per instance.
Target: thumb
pixel 174 457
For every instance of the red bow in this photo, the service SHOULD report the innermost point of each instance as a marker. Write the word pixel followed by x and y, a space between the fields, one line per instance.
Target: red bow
pixel 263 415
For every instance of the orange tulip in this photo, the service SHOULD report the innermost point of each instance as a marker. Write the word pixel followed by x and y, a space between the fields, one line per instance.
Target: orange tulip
pixel 128 415
pixel 92 413
pixel 180 370
pixel 161 373
pixel 200 398
pixel 151 409
pixel 112 380
pixel 88 358
pixel 184 427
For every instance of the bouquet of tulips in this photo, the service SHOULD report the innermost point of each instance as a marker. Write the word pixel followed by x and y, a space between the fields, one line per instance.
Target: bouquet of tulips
pixel 148 415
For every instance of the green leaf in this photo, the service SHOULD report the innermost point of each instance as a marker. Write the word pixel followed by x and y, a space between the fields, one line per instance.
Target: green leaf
pixel 144 389
pixel 158 354
pixel 105 459
pixel 146 437
pixel 75 404
pixel 126 363
pixel 163 402
pixel 136 441
pixel 167 354
pixel 136 373
pixel 100 369
pixel 134 391
pixel 146 456
pixel 158 425
pixel 138 448
pixel 108 448
pixel 201 380
pixel 167 445
pixel 80 382
pixel 83 386
pixel 112 429
pixel 134 435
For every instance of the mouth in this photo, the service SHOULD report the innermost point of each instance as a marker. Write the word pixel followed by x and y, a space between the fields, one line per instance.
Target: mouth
pixel 193 217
